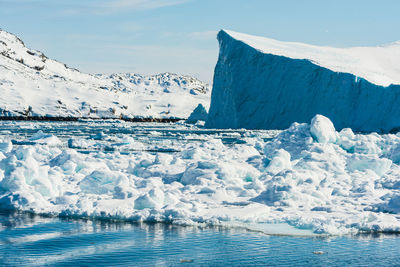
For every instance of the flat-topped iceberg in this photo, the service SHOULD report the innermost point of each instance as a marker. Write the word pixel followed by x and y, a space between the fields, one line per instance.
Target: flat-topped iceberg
pixel 261 83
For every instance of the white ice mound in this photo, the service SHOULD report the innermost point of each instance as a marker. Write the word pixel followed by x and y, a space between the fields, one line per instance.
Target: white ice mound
pixel 42 138
pixel 5 146
pixel 33 85
pixel 280 162
pixel 322 129
pixel 308 176
pixel 261 83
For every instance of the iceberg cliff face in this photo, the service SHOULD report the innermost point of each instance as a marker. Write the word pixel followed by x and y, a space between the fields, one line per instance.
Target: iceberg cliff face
pixel 261 83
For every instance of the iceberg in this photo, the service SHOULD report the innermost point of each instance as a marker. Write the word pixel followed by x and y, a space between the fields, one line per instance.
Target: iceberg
pixel 260 83
pixel 198 114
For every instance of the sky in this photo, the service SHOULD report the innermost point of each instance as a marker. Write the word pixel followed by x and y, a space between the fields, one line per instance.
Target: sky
pixel 154 36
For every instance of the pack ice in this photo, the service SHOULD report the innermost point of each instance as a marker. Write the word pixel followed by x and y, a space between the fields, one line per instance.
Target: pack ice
pixel 261 83
pixel 309 177
pixel 33 85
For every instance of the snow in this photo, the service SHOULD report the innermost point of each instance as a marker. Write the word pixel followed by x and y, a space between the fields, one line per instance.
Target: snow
pixel 34 85
pixel 308 177
pixel 261 83
pixel 322 129
pixel 42 138
pixel 280 162
pixel 378 65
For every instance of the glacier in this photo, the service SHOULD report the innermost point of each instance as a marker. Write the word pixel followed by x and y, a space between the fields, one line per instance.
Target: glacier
pixel 260 83
pixel 33 85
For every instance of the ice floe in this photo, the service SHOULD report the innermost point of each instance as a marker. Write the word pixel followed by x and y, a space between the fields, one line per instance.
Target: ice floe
pixel 309 177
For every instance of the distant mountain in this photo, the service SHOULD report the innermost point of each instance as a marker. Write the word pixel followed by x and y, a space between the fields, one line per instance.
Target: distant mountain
pixel 33 85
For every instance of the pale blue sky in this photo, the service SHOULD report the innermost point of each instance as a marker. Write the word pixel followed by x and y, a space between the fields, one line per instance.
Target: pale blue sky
pixel 153 36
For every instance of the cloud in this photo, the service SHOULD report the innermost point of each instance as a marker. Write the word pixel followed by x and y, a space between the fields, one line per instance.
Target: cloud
pixel 206 35
pixel 84 37
pixel 19 1
pixel 195 36
pixel 117 5
pixel 96 7
pixel 160 51
pixel 107 7
pixel 131 27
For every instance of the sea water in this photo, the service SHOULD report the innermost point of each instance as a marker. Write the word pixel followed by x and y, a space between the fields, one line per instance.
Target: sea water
pixel 29 240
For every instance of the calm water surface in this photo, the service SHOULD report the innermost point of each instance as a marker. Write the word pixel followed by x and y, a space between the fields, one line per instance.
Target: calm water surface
pixel 28 240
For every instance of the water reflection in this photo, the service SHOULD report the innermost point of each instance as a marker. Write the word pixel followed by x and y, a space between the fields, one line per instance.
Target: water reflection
pixel 29 240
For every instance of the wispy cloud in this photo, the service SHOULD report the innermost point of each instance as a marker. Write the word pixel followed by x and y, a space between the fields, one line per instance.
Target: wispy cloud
pixel 97 7
pixel 195 36
pixel 84 37
pixel 107 7
pixel 131 27
pixel 117 5
pixel 206 35
pixel 159 51
pixel 20 1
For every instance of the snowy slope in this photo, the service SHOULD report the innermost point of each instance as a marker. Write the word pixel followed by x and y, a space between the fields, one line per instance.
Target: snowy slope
pixel 32 84
pixel 265 84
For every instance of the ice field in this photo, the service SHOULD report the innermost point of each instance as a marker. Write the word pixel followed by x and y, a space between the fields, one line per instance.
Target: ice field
pixel 308 179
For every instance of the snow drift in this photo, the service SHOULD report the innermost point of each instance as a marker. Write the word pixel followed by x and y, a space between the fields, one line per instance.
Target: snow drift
pixel 261 83
pixel 33 85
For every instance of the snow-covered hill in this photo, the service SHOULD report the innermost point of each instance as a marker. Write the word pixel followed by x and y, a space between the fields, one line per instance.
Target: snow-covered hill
pixel 34 85
pixel 260 83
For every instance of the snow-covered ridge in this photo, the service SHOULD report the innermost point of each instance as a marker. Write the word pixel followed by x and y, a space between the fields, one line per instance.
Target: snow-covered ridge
pixel 35 85
pixel 379 65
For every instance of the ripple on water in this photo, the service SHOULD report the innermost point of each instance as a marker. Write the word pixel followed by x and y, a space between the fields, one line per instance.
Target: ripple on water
pixel 29 240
